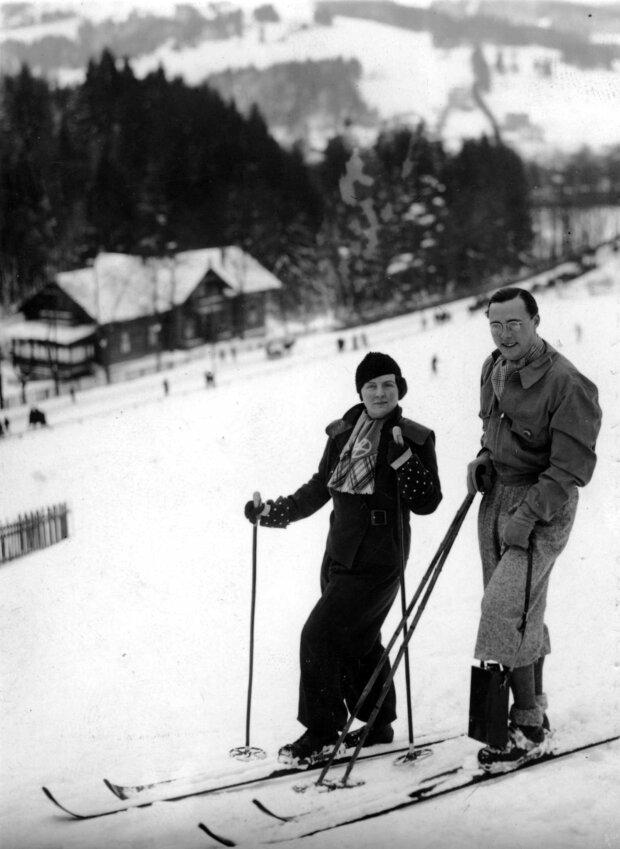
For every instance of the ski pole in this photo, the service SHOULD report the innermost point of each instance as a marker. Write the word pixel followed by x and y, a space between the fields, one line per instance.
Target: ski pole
pixel 435 566
pixel 447 540
pixel 398 439
pixel 462 512
pixel 248 752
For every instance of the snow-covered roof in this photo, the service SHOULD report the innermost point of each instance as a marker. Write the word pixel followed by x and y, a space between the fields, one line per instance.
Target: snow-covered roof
pixel 44 331
pixel 240 271
pixel 120 287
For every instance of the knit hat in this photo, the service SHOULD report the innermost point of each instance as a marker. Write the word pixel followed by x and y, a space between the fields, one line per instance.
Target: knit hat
pixel 374 365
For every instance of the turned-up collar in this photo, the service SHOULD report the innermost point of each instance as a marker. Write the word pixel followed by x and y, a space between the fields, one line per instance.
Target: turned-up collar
pixel 347 422
pixel 534 371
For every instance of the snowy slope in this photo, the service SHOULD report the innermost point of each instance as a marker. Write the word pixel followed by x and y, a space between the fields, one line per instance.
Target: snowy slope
pixel 124 649
pixel 404 76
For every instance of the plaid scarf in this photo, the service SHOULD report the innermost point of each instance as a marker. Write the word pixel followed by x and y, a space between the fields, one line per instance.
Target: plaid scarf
pixel 355 470
pixel 504 368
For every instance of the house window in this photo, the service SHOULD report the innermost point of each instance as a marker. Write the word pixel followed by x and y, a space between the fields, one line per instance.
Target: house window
pixel 153 335
pixel 189 331
pixel 125 342
pixel 252 316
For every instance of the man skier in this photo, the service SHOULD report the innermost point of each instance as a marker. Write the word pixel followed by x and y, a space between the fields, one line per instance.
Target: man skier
pixel 367 470
pixel 540 421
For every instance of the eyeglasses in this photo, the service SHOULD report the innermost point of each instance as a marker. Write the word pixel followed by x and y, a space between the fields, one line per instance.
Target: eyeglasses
pixel 513 325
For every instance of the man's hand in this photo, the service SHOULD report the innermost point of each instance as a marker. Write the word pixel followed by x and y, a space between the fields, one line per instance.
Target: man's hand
pixel 518 528
pixel 480 474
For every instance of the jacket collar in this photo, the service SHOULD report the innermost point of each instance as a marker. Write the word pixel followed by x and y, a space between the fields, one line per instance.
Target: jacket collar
pixel 347 422
pixel 537 369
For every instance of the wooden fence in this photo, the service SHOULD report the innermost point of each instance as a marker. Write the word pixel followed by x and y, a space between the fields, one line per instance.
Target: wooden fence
pixel 33 531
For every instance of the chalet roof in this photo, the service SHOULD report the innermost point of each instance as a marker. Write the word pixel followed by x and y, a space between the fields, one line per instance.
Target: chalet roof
pixel 44 331
pixel 120 287
pixel 236 268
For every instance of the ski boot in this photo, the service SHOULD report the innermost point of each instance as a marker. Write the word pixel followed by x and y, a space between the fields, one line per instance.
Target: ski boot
pixel 309 749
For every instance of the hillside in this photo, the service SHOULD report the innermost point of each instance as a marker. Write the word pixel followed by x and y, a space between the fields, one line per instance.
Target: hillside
pixel 551 70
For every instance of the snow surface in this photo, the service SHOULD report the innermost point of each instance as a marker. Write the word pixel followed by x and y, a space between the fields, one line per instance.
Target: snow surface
pixel 125 648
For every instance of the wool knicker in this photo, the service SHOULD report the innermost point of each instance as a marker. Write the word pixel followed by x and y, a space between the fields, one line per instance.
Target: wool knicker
pixel 505 575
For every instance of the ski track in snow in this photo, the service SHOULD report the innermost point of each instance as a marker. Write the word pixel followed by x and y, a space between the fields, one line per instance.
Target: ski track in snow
pixel 124 648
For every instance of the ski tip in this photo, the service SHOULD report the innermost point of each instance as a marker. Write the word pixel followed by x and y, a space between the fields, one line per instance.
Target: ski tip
pixel 55 801
pixel 51 797
pixel 115 789
pixel 269 812
pixel 223 840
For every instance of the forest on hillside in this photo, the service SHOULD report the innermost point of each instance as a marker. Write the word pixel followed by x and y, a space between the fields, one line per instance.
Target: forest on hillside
pixel 294 96
pixel 152 166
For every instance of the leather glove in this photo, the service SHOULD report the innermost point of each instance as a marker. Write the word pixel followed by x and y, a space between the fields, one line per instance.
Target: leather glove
pixel 519 527
pixel 480 474
pixel 254 509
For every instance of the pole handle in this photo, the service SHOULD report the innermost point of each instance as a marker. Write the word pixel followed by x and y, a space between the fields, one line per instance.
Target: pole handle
pixel 397 435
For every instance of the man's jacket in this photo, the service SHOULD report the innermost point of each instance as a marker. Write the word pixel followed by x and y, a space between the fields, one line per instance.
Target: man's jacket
pixel 543 430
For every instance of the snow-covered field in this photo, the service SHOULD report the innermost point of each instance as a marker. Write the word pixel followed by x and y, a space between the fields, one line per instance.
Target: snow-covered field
pixel 124 649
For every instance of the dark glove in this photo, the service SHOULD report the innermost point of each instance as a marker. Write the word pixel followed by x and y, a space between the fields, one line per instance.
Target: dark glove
pixel 480 474
pixel 519 527
pixel 253 511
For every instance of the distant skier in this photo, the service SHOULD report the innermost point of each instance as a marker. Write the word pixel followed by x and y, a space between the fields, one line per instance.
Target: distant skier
pixel 434 363
pixel 540 421
pixel 361 467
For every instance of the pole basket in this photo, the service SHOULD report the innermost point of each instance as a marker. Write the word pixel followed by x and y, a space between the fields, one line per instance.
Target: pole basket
pixel 412 757
pixel 248 753
pixel 330 784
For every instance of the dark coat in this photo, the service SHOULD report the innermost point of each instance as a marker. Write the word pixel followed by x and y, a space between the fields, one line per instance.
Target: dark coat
pixel 354 535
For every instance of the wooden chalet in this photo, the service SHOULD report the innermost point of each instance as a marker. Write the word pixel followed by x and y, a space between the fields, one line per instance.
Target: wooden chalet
pixel 123 307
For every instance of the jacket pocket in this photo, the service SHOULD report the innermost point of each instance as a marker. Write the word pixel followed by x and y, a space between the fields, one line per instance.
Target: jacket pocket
pixel 529 433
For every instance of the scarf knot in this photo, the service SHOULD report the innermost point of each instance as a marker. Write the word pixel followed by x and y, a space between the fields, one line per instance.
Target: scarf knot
pixel 504 368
